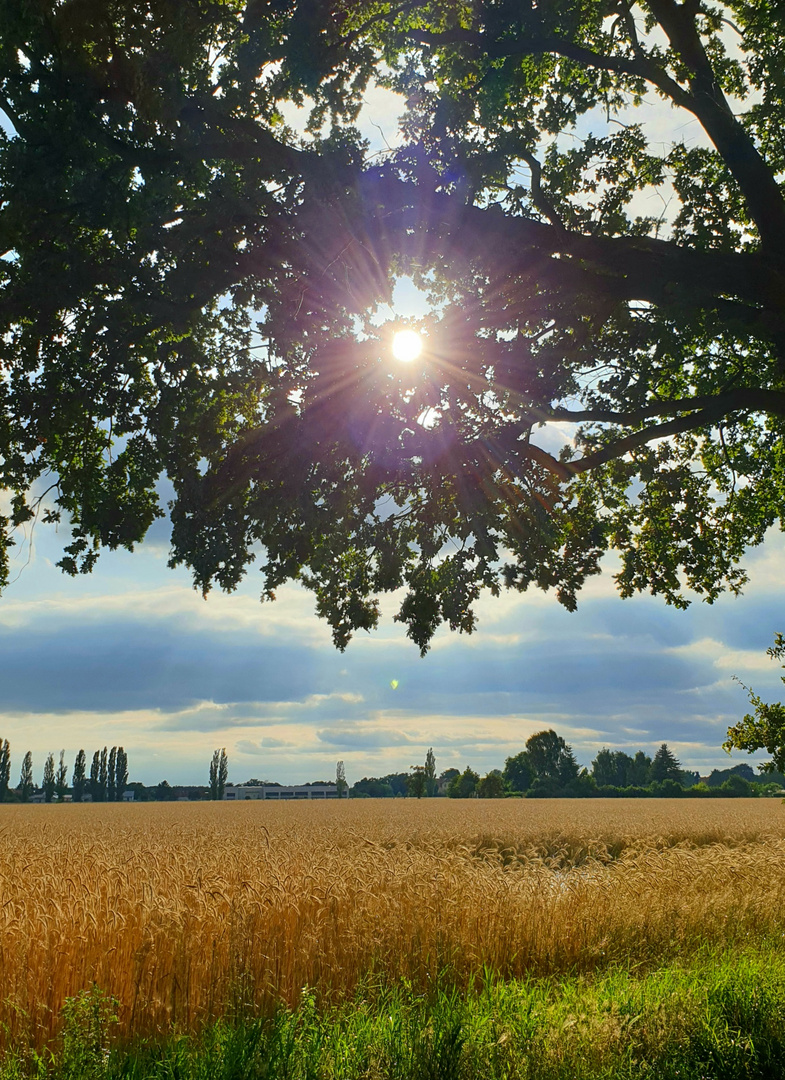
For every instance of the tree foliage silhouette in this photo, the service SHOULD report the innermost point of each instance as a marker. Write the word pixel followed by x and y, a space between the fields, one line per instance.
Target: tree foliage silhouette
pixel 192 287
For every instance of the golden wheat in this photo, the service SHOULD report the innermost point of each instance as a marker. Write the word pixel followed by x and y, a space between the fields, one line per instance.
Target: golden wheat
pixel 185 911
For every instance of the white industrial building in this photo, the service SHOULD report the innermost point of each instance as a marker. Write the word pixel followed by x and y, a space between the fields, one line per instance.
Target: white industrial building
pixel 268 791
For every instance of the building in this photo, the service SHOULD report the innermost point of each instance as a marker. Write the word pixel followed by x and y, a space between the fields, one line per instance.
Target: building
pixel 281 794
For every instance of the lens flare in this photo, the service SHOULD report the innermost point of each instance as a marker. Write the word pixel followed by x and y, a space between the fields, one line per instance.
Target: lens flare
pixel 406 345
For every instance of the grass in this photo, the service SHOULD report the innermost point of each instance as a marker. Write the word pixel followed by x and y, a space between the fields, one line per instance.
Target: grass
pixel 190 916
pixel 721 1017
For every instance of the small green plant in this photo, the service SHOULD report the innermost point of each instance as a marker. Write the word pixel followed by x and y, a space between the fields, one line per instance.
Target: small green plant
pixel 87 1022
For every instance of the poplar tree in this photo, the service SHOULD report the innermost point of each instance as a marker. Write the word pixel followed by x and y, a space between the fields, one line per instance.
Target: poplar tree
pixel 214 763
pixel 48 782
pixel 223 773
pixel 111 779
pixel 79 776
pixel 95 777
pixel 5 768
pixel 340 779
pixel 121 773
pixel 102 776
pixel 430 773
pixel 61 778
pixel 26 783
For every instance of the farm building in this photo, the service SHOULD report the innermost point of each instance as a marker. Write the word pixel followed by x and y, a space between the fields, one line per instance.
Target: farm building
pixel 272 791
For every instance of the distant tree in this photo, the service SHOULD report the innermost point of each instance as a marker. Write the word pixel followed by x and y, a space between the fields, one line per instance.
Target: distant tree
pixel 764 728
pixel 111 776
pixel 464 785
pixel 48 782
pixel 430 773
pixel 418 781
pixel 26 784
pixel 552 758
pixel 164 792
pixel 95 777
pixel 340 779
pixel 214 764
pixel 717 777
pixel 689 777
pixel 103 776
pixel 121 772
pixel 737 787
pixel 5 768
pixel 373 788
pixel 61 778
pixel 640 770
pixel 223 772
pixel 665 766
pixel 612 767
pixel 79 777
pixel 518 772
pixel 492 786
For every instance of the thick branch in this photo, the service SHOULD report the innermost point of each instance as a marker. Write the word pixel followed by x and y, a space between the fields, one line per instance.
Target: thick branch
pixel 640 438
pixel 747 399
pixel 639 68
pixel 756 180
pixel 625 268
pixel 705 100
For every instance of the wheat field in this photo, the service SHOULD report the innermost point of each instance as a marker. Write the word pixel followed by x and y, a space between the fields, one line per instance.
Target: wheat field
pixel 185 912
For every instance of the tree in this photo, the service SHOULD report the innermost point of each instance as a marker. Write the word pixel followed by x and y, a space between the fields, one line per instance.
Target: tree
pixel 518 772
pixel 491 786
pixel 640 770
pixel 191 286
pixel 111 777
pixel 121 773
pixel 61 778
pixel 79 776
pixel 430 773
pixel 95 777
pixel 665 766
pixel 5 768
pixel 223 772
pixel 464 785
pixel 763 729
pixel 418 781
pixel 26 784
pixel 551 758
pixel 219 771
pixel 103 777
pixel 340 779
pixel 213 782
pixel 164 792
pixel 48 782
pixel 614 768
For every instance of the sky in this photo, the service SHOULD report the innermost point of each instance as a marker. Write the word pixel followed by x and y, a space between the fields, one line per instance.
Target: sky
pixel 131 655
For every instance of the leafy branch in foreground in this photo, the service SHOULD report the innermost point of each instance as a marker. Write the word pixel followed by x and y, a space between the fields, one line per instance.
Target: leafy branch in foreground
pixel 191 287
pixel 763 729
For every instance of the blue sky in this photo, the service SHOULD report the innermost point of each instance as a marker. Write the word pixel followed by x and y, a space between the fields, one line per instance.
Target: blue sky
pixel 132 656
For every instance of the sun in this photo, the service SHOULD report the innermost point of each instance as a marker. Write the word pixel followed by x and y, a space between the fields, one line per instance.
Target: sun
pixel 406 345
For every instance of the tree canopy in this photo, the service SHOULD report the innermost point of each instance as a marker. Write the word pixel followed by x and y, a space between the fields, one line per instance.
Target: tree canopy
pixel 763 729
pixel 192 287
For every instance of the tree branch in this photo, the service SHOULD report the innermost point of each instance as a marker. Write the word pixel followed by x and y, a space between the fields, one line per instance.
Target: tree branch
pixel 747 399
pixel 639 68
pixel 640 438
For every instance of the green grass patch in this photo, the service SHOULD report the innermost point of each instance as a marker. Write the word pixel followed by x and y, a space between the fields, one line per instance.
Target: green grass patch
pixel 720 1016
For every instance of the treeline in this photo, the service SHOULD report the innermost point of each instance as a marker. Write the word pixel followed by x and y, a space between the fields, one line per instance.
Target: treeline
pixel 107 781
pixel 548 768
